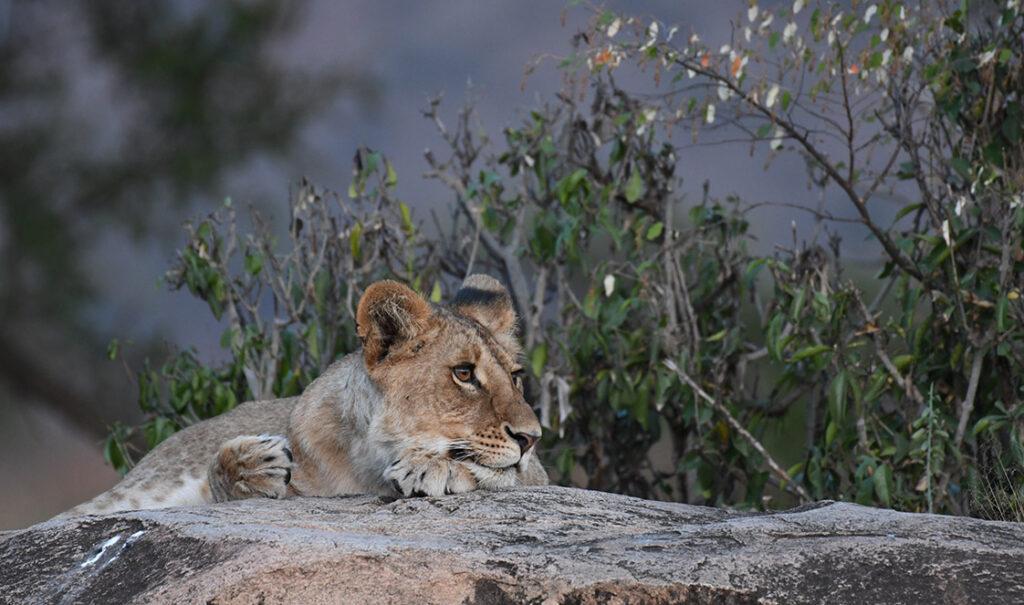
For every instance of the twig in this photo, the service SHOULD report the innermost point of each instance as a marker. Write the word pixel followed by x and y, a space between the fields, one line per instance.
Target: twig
pixel 507 256
pixel 928 460
pixel 537 310
pixel 904 383
pixel 859 202
pixel 967 405
pixel 475 248
pixel 787 481
pixel 666 251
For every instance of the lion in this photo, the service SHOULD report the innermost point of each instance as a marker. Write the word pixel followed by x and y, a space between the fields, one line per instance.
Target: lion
pixel 432 404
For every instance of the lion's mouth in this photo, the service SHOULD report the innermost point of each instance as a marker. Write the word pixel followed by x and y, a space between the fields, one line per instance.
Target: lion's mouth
pixel 461 454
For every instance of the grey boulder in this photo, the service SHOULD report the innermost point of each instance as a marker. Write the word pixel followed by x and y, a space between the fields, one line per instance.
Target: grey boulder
pixel 537 545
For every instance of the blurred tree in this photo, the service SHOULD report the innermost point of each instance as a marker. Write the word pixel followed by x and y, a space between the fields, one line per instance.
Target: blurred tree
pixel 197 93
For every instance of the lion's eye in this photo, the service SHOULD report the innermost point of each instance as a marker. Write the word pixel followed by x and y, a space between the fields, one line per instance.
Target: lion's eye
pixel 464 373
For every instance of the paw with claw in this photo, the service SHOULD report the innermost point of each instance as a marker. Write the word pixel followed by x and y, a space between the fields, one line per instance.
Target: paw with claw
pixel 429 476
pixel 251 466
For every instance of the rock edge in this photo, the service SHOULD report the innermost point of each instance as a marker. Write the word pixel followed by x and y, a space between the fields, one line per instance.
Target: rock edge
pixel 535 545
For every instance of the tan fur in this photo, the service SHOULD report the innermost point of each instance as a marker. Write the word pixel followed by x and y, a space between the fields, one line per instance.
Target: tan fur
pixel 391 419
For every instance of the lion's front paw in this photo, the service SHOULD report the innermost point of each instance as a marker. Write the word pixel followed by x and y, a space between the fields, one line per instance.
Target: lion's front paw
pixel 420 476
pixel 460 479
pixel 252 466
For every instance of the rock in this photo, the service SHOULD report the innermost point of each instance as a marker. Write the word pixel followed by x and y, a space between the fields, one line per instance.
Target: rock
pixel 539 545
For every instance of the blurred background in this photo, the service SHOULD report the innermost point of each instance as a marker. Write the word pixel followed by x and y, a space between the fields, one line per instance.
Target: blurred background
pixel 120 120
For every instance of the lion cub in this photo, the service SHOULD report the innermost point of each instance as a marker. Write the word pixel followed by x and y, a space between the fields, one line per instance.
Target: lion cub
pixel 432 404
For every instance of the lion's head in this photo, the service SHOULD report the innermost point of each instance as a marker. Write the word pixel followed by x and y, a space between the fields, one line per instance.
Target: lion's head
pixel 451 375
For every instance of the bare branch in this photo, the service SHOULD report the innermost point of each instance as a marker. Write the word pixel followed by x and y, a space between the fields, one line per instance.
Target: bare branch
pixel 891 249
pixel 783 476
pixel 967 405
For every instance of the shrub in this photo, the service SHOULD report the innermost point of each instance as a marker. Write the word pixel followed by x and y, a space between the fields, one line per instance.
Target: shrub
pixel 665 354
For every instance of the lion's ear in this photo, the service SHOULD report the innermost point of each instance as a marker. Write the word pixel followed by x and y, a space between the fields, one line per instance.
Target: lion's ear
pixel 485 300
pixel 389 314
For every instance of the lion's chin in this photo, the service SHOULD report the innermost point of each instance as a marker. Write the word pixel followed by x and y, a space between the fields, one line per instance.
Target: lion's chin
pixel 494 468
pixel 489 477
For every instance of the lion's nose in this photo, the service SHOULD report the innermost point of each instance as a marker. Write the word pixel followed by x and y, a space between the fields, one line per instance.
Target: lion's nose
pixel 525 440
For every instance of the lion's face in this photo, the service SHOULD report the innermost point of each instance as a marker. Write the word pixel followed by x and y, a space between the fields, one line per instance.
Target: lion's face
pixel 451 376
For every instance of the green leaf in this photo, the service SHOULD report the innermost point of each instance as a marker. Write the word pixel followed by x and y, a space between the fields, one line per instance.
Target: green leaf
pixel 905 172
pixel 752 270
pixel 654 231
pixel 392 176
pixel 112 454
pixel 796 469
pixel 591 307
pixel 226 337
pixel 883 483
pixel 157 431
pixel 253 263
pixel 539 358
pixel 810 351
pixel 902 361
pixel 719 335
pixel 313 341
pixel 774 340
pixel 634 187
pixel 435 293
pixel 1011 128
pixel 204 231
pixel 371 161
pixel 904 211
pixel 355 240
pixel 570 184
pixel 407 224
pixel 837 398
pixel 787 98
pixel 962 167
pixel 985 423
pixel 830 433
pixel 798 303
pixel 640 410
pixel 565 462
